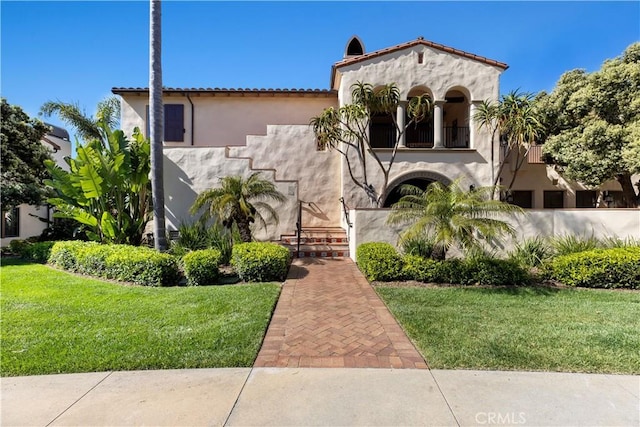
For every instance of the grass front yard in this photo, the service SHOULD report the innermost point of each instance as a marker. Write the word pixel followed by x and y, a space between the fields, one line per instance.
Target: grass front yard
pixel 56 322
pixel 539 329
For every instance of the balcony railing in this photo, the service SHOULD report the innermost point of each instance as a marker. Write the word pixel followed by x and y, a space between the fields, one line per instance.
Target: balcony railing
pixel 456 137
pixel 384 136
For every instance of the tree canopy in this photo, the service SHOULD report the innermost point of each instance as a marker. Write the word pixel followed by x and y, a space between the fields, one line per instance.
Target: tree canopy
pixel 23 157
pixel 592 123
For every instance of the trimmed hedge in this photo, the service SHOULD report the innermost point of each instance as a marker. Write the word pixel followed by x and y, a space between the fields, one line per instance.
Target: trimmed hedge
pixel 201 266
pixel 599 268
pixel 379 261
pixel 260 261
pixel 35 251
pixel 135 264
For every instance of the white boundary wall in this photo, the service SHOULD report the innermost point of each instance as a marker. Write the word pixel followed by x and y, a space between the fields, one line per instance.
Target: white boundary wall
pixel 369 225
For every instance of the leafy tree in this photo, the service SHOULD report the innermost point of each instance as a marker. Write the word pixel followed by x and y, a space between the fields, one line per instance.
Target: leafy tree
pixel 346 130
pixel 592 123
pixel 23 157
pixel 107 188
pixel 452 216
pixel 239 201
pixel 516 121
pixel 156 124
pixel 87 127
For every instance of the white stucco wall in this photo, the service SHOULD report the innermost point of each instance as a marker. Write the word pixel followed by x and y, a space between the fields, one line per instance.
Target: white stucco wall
pixel 227 120
pixel 369 225
pixel 286 155
pixel 439 73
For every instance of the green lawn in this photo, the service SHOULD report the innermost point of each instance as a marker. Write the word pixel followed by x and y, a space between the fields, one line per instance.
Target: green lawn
pixel 521 328
pixel 55 322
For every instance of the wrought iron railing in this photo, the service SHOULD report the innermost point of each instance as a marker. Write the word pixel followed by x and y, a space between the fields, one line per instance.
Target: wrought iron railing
pixel 456 137
pixel 345 209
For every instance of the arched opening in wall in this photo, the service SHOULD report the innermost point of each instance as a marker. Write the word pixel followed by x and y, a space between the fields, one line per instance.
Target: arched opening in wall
pixel 420 133
pixel 456 119
pixel 420 179
pixel 355 47
pixel 382 130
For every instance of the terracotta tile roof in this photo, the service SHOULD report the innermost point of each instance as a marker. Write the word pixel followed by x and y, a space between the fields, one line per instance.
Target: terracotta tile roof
pixel 412 43
pixel 227 91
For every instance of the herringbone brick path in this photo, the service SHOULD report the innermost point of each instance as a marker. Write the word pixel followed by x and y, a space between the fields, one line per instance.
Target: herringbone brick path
pixel 329 316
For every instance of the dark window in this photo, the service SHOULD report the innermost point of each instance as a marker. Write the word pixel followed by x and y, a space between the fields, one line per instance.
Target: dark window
pixel 522 198
pixel 382 131
pixel 613 199
pixel 173 122
pixel 554 199
pixel 11 223
pixel 586 199
pixel 355 47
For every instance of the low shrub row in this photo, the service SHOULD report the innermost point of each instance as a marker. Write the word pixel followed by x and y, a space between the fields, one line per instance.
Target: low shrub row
pixel 254 262
pixel 260 261
pixel 35 251
pixel 598 268
pixel 381 261
pixel 135 264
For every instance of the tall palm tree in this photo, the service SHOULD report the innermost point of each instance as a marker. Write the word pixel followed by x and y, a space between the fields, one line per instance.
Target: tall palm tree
pixel 517 123
pixel 239 201
pixel 452 216
pixel 156 124
pixel 86 127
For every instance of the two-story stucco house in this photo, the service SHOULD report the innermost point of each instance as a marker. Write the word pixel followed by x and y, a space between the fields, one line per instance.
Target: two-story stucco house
pixel 213 132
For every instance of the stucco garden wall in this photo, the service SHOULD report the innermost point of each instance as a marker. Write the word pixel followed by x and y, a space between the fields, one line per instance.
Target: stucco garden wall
pixel 227 120
pixel 369 225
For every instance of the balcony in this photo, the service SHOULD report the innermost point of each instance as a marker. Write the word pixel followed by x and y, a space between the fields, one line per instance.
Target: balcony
pixel 384 136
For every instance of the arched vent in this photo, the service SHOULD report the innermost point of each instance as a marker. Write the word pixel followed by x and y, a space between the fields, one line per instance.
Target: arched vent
pixel 354 47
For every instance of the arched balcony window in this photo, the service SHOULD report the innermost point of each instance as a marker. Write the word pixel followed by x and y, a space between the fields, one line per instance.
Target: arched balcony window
pixel 419 134
pixel 456 120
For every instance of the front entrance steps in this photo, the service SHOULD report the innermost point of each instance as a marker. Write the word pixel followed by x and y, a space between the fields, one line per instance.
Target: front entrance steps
pixel 318 242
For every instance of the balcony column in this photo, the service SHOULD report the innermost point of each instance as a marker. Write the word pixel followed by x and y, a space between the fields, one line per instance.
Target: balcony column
pixel 400 118
pixel 472 124
pixel 437 124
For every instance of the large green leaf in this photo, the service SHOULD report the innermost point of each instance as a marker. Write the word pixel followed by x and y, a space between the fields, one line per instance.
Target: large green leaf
pixel 108 224
pixel 91 182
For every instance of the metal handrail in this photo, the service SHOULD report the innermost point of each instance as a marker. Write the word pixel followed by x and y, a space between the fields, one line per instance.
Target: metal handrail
pixel 299 228
pixel 346 212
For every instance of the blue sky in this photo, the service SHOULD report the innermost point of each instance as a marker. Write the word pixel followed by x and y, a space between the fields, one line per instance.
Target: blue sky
pixel 78 51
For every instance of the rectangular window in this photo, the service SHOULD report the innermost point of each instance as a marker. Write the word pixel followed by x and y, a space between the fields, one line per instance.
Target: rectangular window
pixel 11 223
pixel 613 199
pixel 173 122
pixel 522 198
pixel 586 199
pixel 554 199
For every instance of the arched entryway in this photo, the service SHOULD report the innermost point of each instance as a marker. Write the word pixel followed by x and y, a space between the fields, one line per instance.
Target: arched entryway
pixel 420 179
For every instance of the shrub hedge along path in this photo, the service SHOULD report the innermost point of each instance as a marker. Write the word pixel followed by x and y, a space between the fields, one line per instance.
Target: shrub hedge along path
pixel 328 315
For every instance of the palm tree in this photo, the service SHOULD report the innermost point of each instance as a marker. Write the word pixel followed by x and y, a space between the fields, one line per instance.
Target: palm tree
pixel 452 216
pixel 87 127
pixel 518 124
pixel 239 201
pixel 156 124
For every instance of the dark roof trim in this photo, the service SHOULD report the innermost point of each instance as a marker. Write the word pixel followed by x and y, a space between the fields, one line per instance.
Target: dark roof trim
pixel 226 91
pixel 416 42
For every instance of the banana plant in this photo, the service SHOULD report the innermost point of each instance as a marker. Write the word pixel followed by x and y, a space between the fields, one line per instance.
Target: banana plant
pixel 107 187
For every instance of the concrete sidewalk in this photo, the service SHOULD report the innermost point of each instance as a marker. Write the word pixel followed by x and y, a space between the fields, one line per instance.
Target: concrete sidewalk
pixel 300 397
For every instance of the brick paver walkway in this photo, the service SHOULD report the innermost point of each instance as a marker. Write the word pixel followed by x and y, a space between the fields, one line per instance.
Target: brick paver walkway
pixel 329 316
